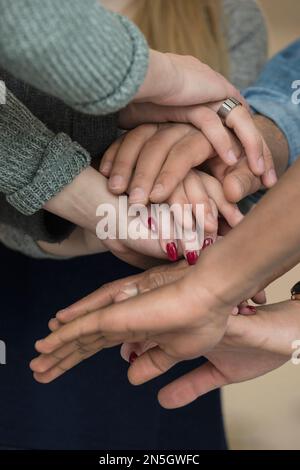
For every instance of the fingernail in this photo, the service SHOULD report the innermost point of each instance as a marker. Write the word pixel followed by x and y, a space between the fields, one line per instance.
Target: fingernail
pixel 251 308
pixel 272 177
pixel 261 165
pixel 231 157
pixel 235 311
pixel 247 310
pixel 172 251
pixel 106 167
pixel 137 195
pixel 207 242
pixel 133 356
pixel 116 182
pixel 151 224
pixel 157 190
pixel 192 257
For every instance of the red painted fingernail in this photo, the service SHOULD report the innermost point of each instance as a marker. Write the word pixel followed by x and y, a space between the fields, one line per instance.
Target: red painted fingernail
pixel 133 356
pixel 192 257
pixel 207 242
pixel 172 251
pixel 251 308
pixel 151 224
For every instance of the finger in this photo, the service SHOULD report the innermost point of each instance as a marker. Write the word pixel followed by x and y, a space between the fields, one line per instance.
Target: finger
pixel 68 363
pixel 214 189
pixel 198 197
pixel 101 297
pixel 212 127
pixel 127 155
pixel 44 362
pixel 260 298
pixel 153 279
pixel 185 225
pixel 54 324
pixel 130 351
pixel 191 386
pixel 192 150
pixel 110 155
pixel 135 319
pixel 164 222
pixel 151 160
pixel 149 365
pixel 269 178
pixel 241 122
pixel 240 182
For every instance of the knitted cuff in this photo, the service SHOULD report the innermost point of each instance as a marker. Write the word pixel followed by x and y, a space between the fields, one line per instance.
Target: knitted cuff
pixel 61 162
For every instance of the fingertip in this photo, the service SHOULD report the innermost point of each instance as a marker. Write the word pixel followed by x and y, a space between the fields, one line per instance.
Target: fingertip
pixel 39 377
pixel 42 347
pixel 270 178
pixel 164 403
pixel 158 193
pixel 105 168
pixel 117 184
pixel 231 157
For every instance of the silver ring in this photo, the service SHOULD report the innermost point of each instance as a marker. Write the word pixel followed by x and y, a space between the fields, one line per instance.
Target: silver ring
pixel 227 107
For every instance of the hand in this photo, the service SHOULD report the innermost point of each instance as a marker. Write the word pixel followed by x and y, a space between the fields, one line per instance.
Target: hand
pixel 79 201
pixel 239 181
pixel 70 351
pixel 192 233
pixel 186 81
pixel 152 159
pixel 205 118
pixel 252 346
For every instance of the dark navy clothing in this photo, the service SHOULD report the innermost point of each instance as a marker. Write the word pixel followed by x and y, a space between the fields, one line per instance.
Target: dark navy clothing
pixel 93 406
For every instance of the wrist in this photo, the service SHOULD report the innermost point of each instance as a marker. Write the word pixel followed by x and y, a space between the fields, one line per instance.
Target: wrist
pixel 226 281
pixel 158 78
pixel 79 200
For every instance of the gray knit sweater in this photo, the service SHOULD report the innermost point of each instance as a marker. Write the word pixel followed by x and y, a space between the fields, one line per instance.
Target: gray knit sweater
pixel 94 61
pixel 77 51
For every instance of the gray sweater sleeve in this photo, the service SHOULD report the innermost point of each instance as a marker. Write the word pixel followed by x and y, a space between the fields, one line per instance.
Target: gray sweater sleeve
pixel 35 164
pixel 75 50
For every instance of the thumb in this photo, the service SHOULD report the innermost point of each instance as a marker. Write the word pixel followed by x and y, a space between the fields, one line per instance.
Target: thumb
pixel 240 182
pixel 190 386
pixel 151 364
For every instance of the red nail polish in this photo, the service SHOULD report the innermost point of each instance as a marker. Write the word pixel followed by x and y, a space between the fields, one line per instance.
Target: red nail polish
pixel 151 224
pixel 172 251
pixel 192 257
pixel 207 242
pixel 133 356
pixel 251 308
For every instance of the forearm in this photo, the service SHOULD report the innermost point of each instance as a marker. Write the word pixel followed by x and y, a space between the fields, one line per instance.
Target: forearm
pixel 263 246
pixel 79 200
pixel 35 164
pixel 92 59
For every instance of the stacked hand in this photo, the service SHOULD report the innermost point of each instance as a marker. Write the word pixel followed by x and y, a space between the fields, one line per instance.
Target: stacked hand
pixel 252 345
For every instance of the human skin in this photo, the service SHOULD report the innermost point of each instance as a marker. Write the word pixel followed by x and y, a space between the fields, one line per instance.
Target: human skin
pixel 256 252
pixel 252 345
pixel 73 204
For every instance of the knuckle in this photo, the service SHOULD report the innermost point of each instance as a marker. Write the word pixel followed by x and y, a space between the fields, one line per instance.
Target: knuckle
pixel 156 280
pixel 159 365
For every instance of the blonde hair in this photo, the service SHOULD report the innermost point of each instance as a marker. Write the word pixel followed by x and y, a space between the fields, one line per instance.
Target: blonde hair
pixel 189 27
